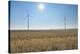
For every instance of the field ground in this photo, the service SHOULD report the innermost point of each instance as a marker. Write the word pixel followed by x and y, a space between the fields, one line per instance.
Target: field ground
pixel 42 40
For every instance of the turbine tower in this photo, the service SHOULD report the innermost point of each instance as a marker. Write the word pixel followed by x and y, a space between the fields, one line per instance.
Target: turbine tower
pixel 65 23
pixel 28 16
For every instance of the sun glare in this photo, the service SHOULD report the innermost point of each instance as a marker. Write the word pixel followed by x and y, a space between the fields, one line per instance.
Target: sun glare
pixel 41 7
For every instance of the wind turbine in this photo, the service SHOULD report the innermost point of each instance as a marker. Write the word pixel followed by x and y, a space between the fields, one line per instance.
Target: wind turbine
pixel 65 23
pixel 41 8
pixel 28 16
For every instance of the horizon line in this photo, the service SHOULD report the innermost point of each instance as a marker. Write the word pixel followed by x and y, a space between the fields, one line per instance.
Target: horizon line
pixel 44 29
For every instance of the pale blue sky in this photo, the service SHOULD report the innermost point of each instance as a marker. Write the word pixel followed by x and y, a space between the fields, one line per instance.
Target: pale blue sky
pixel 52 17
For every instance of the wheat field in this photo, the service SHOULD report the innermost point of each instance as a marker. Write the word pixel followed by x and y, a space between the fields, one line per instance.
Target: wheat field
pixel 42 40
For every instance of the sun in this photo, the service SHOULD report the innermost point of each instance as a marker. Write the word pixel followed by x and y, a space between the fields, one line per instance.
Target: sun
pixel 41 7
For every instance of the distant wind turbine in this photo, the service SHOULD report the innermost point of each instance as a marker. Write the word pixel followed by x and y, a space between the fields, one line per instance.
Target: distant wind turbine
pixel 65 23
pixel 28 16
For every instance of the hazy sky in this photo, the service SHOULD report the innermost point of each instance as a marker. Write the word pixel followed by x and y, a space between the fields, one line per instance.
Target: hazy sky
pixel 50 17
